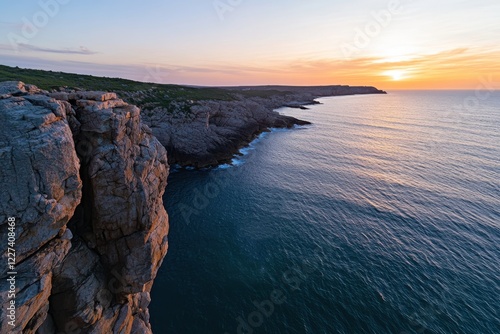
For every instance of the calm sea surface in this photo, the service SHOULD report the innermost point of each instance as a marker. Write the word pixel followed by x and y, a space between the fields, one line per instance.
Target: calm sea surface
pixel 381 217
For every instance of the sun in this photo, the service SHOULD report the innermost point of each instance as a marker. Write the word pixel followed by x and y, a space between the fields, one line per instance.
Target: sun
pixel 396 75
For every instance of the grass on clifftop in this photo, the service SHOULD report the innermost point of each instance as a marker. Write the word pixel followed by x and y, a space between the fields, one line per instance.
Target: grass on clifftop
pixel 154 94
pixel 49 80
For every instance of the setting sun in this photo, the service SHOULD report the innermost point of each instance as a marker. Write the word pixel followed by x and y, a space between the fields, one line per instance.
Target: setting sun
pixel 387 44
pixel 396 75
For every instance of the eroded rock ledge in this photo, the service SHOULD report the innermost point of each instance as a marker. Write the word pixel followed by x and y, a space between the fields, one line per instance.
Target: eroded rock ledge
pixel 84 179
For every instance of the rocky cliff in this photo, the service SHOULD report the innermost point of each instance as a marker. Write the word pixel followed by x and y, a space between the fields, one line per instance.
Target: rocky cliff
pixel 210 132
pixel 83 178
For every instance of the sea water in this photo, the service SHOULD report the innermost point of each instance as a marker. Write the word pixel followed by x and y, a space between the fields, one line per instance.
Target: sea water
pixel 383 216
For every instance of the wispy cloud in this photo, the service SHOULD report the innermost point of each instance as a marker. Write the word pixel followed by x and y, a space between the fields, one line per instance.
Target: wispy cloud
pixel 454 68
pixel 81 50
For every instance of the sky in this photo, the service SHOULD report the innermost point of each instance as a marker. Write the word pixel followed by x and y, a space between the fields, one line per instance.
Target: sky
pixel 391 44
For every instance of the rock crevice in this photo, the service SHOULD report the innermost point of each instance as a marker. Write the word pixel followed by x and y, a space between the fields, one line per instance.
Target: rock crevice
pixel 84 179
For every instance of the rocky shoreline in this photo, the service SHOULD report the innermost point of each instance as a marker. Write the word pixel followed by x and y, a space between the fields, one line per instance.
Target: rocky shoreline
pixel 212 131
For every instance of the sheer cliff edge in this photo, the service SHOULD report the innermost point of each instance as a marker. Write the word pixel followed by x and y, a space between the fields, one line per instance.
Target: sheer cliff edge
pixel 84 179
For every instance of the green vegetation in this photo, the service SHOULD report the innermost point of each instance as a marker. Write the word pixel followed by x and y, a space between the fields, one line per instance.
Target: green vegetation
pixel 154 94
pixel 49 80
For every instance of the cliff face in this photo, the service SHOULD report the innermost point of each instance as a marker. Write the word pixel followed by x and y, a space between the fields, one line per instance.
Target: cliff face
pixel 212 132
pixel 84 179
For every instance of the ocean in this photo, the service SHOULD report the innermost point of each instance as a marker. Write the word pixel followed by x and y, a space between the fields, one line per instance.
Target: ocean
pixel 383 216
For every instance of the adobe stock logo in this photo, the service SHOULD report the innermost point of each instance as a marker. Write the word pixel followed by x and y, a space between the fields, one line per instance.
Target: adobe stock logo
pixel 224 6
pixel 31 27
pixel 292 281
pixel 363 36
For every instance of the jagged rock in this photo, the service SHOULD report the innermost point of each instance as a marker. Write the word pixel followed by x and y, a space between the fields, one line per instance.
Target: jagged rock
pixel 41 188
pixel 40 170
pixel 33 285
pixel 10 88
pixel 127 169
pixel 214 131
pixel 93 96
pixel 102 283
pixel 210 132
pixel 62 96
pixel 77 296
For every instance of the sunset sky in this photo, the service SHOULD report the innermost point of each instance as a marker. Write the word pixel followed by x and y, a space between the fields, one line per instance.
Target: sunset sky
pixel 405 44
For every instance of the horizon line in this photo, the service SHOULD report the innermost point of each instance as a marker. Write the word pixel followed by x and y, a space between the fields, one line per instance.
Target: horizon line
pixel 244 85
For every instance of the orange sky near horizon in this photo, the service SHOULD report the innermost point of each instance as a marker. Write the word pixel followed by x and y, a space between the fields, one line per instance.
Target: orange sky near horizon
pixel 389 44
pixel 455 69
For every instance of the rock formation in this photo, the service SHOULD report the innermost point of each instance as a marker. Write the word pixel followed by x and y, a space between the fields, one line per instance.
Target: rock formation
pixel 84 179
pixel 210 132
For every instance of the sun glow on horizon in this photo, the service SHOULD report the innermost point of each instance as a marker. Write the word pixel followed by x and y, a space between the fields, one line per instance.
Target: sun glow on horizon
pixel 396 75
pixel 418 45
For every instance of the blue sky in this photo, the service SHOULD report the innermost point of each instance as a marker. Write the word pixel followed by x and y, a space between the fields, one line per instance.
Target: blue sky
pixel 250 41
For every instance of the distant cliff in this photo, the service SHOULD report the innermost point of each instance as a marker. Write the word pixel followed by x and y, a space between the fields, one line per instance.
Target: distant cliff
pixel 83 179
pixel 208 132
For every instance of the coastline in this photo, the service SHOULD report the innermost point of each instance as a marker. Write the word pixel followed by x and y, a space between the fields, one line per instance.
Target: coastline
pixel 237 159
pixel 199 126
pixel 213 132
